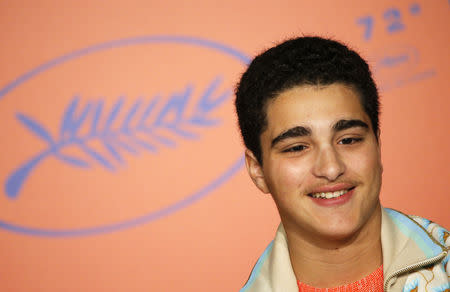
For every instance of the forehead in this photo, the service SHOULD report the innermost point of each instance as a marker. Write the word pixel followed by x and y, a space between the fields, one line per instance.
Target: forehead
pixel 313 106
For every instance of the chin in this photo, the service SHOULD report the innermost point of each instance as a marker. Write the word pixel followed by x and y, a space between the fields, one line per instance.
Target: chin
pixel 340 232
pixel 341 235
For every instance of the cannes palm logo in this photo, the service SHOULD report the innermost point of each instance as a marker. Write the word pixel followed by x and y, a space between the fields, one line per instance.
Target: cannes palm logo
pixel 106 160
pixel 400 65
pixel 133 134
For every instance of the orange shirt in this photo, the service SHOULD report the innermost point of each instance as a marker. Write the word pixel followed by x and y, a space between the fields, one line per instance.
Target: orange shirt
pixel 370 283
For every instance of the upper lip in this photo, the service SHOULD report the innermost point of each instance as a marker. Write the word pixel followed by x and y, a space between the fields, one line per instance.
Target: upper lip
pixel 332 188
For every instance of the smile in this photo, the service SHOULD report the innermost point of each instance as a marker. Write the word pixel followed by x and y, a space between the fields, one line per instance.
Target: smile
pixel 330 195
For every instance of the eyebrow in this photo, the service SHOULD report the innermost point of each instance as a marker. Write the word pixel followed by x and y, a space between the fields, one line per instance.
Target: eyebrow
pixel 300 131
pixel 347 124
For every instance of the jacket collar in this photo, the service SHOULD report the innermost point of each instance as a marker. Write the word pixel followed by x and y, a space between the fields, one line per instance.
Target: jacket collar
pixel 403 241
pixel 273 270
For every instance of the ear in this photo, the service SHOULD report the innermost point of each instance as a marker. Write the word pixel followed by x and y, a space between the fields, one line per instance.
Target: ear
pixel 379 155
pixel 255 171
pixel 379 150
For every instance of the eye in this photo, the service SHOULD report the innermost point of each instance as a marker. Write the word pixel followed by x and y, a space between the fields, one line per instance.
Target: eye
pixel 296 148
pixel 349 141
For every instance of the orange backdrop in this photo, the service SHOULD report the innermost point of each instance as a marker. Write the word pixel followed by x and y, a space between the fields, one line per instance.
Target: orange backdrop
pixel 121 163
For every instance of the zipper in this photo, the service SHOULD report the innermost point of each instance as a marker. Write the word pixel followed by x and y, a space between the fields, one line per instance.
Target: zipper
pixel 412 267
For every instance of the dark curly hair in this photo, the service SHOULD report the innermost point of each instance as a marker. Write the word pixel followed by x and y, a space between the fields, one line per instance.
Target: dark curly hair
pixel 299 61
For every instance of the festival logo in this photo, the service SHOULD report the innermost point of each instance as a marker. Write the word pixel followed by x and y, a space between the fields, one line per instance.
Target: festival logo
pixel 118 134
pixel 397 66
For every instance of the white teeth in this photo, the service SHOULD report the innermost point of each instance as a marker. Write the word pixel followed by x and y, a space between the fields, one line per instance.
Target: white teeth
pixel 329 195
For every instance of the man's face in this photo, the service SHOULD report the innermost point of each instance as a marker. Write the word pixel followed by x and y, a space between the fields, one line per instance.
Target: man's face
pixel 321 161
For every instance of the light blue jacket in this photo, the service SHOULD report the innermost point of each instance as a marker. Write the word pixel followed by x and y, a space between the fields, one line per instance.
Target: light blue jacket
pixel 415 258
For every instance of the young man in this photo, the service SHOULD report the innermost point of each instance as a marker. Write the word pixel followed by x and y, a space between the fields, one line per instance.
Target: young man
pixel 308 114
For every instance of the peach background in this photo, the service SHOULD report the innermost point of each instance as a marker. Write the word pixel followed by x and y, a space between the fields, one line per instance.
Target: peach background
pixel 212 244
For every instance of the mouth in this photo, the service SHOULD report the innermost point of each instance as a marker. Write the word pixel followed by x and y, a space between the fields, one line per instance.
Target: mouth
pixel 329 195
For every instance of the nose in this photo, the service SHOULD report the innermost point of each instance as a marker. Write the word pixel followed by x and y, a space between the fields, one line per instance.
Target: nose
pixel 328 164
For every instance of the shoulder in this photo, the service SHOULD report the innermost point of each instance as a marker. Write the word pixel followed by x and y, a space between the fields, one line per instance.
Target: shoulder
pixel 422 230
pixel 434 277
pixel 437 232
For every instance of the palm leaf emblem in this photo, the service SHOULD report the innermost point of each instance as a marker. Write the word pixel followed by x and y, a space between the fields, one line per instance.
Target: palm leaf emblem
pixel 135 133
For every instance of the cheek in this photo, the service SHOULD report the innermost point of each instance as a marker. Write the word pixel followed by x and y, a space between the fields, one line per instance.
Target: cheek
pixel 287 176
pixel 367 164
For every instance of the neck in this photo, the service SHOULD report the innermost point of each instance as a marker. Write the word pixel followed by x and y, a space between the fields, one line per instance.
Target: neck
pixel 326 263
